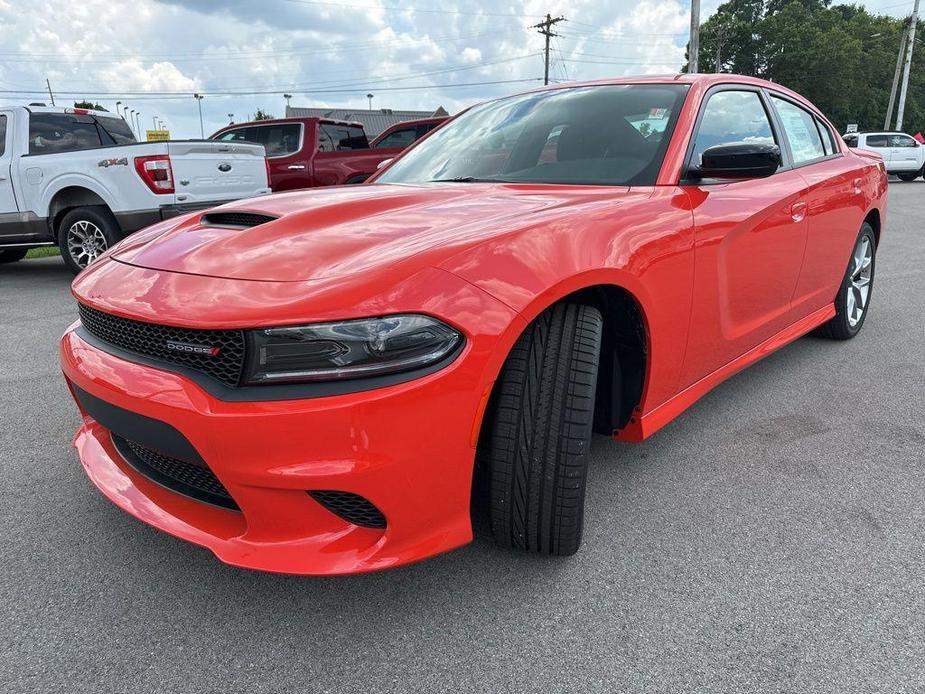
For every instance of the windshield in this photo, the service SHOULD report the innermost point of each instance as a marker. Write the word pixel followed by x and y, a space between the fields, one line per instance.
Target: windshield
pixel 602 135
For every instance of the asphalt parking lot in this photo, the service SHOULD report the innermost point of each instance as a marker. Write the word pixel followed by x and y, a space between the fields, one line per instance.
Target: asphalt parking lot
pixel 772 539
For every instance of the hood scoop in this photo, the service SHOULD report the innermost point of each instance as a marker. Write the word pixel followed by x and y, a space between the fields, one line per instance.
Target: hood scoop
pixel 235 220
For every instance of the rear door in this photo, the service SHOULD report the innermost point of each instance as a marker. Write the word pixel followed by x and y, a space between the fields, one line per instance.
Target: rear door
pixel 905 154
pixel 212 171
pixel 833 207
pixel 749 234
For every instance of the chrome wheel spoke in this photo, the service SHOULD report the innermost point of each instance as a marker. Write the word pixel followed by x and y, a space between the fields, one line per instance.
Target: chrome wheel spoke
pixel 85 242
pixel 858 289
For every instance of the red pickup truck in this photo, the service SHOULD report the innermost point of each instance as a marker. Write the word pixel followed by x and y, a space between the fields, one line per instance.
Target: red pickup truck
pixel 309 152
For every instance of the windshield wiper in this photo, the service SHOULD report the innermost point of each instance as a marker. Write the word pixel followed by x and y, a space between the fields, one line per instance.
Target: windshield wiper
pixel 467 179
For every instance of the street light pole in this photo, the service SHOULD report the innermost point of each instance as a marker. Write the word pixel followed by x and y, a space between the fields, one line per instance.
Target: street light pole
pixel 132 121
pixel 199 98
pixel 138 119
pixel 230 119
pixel 118 110
pixel 287 97
pixel 369 98
pixel 910 44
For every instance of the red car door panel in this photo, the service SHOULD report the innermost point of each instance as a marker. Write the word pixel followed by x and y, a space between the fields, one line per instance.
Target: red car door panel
pixel 750 237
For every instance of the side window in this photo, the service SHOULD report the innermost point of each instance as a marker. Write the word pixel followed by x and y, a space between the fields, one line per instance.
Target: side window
pixel 279 140
pixel 50 133
pixel 325 143
pixel 876 141
pixel 801 131
pixel 341 137
pixel 398 138
pixel 732 116
pixel 902 141
pixel 828 139
pixel 2 135
pixel 238 135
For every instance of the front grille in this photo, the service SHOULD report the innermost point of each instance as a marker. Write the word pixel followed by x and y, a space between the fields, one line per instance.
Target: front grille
pixel 353 508
pixel 243 220
pixel 192 480
pixel 151 340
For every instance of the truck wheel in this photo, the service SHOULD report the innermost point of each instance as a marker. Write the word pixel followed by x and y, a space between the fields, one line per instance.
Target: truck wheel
pixel 84 234
pixel 11 255
pixel 909 176
pixel 540 432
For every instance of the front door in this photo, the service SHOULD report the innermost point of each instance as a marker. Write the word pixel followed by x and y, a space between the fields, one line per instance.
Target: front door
pixel 12 228
pixel 750 236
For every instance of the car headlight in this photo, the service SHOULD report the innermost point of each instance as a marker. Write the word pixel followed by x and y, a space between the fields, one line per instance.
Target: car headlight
pixel 348 349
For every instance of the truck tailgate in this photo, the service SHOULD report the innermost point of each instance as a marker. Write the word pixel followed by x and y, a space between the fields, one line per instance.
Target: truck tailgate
pixel 206 171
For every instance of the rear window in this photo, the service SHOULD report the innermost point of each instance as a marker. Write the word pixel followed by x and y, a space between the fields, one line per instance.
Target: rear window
pixel 115 131
pixel 398 138
pixel 333 137
pixel 50 133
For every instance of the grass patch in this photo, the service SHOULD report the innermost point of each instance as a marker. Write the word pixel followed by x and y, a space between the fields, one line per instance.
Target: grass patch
pixel 43 252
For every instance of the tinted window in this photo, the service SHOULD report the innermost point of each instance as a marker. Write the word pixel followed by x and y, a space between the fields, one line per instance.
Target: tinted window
pixel 280 139
pixel 851 140
pixel 333 137
pixel 114 131
pixel 577 135
pixel 732 116
pixel 2 135
pixel 398 138
pixel 800 128
pixel 239 135
pixel 61 132
pixel 876 141
pixel 902 141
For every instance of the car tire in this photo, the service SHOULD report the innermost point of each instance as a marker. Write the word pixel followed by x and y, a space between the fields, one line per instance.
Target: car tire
pixel 909 176
pixel 857 286
pixel 540 432
pixel 84 234
pixel 11 255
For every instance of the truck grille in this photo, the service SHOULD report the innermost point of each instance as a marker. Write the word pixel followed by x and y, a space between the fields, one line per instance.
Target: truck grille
pixel 217 353
pixel 192 480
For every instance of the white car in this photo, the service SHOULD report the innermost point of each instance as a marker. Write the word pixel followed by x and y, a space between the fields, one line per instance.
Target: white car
pixel 902 154
pixel 78 178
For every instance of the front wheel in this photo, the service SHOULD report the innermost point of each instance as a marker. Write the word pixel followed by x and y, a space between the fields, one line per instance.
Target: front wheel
pixel 853 298
pixel 540 432
pixel 84 234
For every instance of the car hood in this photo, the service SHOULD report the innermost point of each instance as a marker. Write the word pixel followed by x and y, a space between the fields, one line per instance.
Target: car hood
pixel 345 230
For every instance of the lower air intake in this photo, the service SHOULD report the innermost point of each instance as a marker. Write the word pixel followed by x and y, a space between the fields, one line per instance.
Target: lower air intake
pixel 192 480
pixel 353 508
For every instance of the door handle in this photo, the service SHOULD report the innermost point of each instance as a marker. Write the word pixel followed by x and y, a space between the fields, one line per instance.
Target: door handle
pixel 798 211
pixel 296 167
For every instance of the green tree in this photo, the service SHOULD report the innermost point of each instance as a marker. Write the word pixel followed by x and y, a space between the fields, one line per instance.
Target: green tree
pixel 839 56
pixel 89 105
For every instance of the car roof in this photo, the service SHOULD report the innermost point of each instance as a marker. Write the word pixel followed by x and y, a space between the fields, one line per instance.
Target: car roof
pixel 293 119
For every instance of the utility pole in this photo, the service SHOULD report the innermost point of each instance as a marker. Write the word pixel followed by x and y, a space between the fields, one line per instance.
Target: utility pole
pixel 545 28
pixel 693 51
pixel 199 98
pixel 899 64
pixel 910 44
pixel 50 95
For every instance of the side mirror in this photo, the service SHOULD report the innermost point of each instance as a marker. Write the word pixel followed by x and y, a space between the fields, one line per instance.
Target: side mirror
pixel 382 164
pixel 738 160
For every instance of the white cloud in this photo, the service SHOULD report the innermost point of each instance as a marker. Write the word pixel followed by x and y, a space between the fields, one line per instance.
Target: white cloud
pixel 346 47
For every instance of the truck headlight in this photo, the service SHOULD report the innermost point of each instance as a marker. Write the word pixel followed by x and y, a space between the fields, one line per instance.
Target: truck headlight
pixel 348 349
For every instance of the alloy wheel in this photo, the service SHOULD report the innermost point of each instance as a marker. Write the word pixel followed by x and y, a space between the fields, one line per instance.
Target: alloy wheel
pixel 85 242
pixel 859 281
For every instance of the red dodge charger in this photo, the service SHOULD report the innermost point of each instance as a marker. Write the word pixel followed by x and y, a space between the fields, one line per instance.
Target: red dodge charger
pixel 316 382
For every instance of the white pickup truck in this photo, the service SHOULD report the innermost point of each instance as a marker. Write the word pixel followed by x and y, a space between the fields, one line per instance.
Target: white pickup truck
pixel 78 179
pixel 903 155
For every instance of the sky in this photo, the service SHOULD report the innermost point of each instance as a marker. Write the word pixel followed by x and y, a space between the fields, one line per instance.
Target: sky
pixel 242 55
